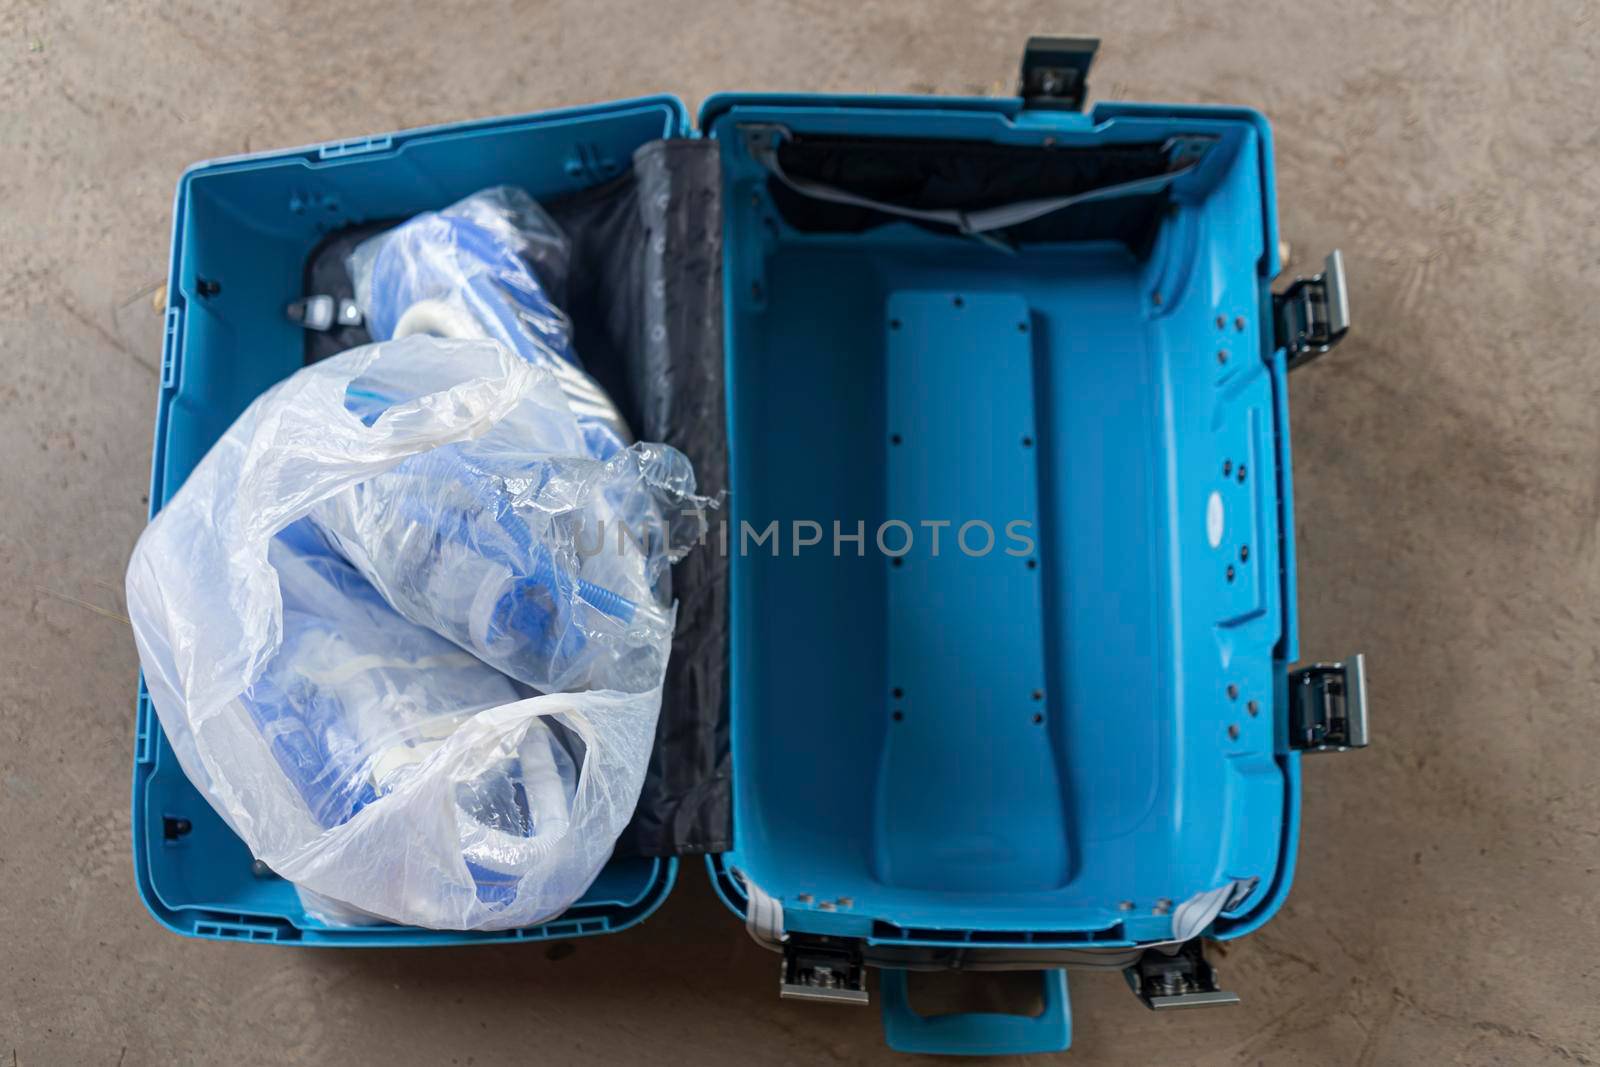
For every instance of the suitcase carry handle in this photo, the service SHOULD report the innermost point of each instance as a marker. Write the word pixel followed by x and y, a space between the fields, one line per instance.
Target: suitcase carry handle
pixel 975 1033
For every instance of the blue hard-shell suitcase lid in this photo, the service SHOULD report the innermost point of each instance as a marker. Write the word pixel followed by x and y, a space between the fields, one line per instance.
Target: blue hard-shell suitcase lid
pixel 242 229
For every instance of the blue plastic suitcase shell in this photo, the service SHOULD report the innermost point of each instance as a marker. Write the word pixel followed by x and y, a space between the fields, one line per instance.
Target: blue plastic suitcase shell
pixel 1102 727
pixel 1115 404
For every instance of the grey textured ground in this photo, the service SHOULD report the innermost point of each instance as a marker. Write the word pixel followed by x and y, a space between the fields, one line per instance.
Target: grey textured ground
pixel 1447 905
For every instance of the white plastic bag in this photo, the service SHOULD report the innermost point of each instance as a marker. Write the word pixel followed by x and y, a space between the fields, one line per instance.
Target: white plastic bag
pixel 545 562
pixel 356 752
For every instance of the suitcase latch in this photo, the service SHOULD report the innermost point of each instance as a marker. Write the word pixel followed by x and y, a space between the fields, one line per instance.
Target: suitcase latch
pixel 818 967
pixel 1328 706
pixel 1055 72
pixel 1313 314
pixel 1182 979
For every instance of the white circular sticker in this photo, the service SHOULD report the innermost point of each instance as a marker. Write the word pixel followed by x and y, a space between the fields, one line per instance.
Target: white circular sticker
pixel 1214 519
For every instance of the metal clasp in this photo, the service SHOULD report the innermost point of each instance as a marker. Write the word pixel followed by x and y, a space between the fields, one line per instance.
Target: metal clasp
pixel 1313 314
pixel 1180 979
pixel 1328 706
pixel 1055 72
pixel 818 967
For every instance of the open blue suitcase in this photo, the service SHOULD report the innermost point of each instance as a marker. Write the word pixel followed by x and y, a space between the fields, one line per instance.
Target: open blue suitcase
pixel 1080 748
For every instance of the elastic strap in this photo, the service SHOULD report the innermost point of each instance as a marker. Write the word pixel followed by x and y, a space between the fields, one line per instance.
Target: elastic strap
pixel 763 146
pixel 763 916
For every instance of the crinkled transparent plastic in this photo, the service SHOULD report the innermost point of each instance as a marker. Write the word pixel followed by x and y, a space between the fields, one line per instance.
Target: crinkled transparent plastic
pixel 492 265
pixel 283 605
pixel 545 565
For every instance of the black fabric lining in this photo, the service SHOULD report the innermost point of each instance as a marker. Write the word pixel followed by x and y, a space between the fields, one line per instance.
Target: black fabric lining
pixel 655 235
pixel 972 175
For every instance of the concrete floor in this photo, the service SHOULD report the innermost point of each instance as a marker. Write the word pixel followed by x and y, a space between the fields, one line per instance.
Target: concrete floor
pixel 1447 458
